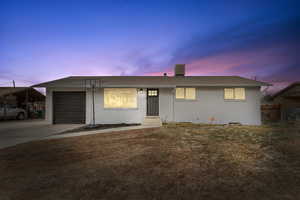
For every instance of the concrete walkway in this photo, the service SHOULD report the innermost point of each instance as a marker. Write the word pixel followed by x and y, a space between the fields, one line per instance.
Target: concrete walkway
pixel 66 135
pixel 16 132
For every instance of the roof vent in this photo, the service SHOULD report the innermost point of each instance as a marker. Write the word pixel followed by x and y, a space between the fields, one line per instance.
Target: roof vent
pixel 179 69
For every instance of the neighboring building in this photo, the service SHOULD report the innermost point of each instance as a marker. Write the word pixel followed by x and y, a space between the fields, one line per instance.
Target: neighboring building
pixel 26 98
pixel 288 100
pixel 270 112
pixel 129 99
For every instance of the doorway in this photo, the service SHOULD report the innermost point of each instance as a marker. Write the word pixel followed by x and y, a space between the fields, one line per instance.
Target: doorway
pixel 152 102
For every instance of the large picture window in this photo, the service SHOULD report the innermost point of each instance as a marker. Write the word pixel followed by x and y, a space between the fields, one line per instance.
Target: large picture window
pixel 234 94
pixel 120 98
pixel 186 93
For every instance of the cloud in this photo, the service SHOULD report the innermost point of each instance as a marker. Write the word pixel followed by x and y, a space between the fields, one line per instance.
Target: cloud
pixel 145 62
pixel 256 48
pixel 267 49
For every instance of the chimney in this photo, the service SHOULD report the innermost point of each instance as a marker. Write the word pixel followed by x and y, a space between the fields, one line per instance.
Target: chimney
pixel 179 70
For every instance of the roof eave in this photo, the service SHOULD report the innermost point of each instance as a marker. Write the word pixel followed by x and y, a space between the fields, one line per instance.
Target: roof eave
pixel 44 85
pixel 55 83
pixel 152 85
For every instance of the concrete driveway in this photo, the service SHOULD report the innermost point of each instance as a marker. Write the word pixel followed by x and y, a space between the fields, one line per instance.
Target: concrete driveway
pixel 16 132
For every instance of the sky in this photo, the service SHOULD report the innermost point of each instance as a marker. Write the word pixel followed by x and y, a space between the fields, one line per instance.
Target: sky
pixel 47 40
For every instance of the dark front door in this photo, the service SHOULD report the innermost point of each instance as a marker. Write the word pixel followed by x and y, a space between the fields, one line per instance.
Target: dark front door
pixel 152 102
pixel 68 107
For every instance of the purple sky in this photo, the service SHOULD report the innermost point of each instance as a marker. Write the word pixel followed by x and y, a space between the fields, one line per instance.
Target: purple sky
pixel 46 40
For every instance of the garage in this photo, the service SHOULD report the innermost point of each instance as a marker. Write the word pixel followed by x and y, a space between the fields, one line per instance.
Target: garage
pixel 69 107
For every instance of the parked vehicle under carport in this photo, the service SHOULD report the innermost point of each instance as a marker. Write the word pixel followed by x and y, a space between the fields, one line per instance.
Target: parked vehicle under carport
pixel 12 112
pixel 26 101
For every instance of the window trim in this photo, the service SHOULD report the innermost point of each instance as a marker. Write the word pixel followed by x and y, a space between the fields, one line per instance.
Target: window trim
pixel 234 94
pixel 137 100
pixel 184 99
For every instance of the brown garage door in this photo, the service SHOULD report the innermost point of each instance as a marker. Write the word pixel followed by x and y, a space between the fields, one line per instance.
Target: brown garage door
pixel 68 107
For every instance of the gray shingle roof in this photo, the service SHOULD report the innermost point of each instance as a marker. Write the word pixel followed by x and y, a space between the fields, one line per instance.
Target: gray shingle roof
pixel 154 81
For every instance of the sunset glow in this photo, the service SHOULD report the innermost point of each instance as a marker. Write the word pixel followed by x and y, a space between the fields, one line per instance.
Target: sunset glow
pixel 42 41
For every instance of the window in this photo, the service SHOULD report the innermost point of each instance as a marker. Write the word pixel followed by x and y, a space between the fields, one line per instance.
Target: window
pixel 239 93
pixel 186 93
pixel 229 93
pixel 152 93
pixel 190 93
pixel 180 93
pixel 234 94
pixel 120 98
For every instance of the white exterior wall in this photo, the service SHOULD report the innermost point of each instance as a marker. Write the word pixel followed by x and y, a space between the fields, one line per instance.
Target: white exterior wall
pixel 209 103
pixel 113 115
pixel 102 115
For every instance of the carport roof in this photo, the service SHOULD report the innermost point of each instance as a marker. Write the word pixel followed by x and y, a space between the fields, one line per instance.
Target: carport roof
pixel 10 90
pixel 4 91
pixel 154 81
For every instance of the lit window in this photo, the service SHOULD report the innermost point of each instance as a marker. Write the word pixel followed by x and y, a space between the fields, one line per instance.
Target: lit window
pixel 239 93
pixel 179 93
pixel 190 93
pixel 229 93
pixel 152 93
pixel 234 93
pixel 120 98
pixel 186 93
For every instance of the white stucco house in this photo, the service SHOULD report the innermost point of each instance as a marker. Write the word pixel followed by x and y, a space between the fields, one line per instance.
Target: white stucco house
pixel 129 99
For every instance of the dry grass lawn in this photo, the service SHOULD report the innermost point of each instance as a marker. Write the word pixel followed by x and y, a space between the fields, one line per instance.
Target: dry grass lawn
pixel 177 161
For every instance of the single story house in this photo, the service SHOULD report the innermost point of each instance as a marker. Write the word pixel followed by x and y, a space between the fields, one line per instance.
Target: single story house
pixel 129 99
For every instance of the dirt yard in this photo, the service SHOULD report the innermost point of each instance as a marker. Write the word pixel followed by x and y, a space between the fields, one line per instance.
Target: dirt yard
pixel 177 161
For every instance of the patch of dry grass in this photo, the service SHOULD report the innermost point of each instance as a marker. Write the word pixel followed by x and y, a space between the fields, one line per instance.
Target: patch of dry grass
pixel 177 161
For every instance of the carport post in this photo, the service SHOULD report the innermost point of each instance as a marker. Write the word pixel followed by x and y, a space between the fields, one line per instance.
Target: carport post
pixel 92 84
pixel 26 102
pixel 93 92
